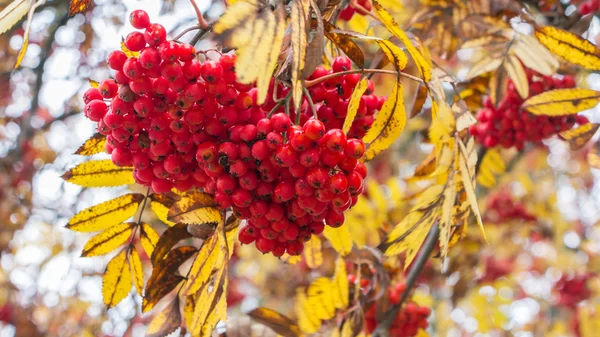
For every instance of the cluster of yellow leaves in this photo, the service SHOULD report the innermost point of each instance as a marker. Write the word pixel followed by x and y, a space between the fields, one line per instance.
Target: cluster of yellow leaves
pixel 322 298
pixel 450 199
pixel 491 165
pixel 504 52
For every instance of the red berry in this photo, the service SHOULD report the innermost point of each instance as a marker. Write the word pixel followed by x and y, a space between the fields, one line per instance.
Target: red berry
pixel 139 19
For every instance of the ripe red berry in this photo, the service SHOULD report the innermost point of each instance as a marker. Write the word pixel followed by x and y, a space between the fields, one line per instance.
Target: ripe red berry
pixel 116 59
pixel 341 63
pixel 139 19
pixel 135 41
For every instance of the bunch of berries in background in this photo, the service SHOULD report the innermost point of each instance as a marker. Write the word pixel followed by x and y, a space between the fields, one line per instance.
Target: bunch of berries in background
pixel 410 318
pixel 347 13
pixel 572 289
pixel 184 123
pixel 502 207
pixel 588 7
pixel 510 125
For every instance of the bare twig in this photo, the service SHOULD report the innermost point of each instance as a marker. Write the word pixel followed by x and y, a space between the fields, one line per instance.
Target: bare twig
pixel 201 21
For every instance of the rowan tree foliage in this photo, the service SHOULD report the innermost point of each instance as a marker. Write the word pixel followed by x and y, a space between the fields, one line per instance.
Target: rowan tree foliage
pixel 300 167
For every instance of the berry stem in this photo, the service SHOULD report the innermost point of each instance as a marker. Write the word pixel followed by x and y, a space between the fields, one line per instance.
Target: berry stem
pixel 309 84
pixel 310 103
pixel 279 104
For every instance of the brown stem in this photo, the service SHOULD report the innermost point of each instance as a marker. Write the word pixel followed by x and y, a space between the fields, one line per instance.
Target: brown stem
pixel 309 84
pixel 201 21
pixel 310 103
pixel 185 31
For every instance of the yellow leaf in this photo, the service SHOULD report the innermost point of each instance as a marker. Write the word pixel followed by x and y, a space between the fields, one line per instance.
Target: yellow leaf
pixel 136 271
pixel 231 232
pixel 593 157
pixel 93 84
pixel 349 47
pixel 340 289
pixel 160 205
pixel 12 13
pixel 443 122
pixel 467 171
pixel 354 102
pixel 445 221
pixel 534 55
pixel 106 214
pixel 561 102
pixel 279 323
pixel 212 305
pixel 320 298
pixel 517 74
pixel 340 239
pixel 78 6
pixel 148 238
pixel 393 53
pixel 93 145
pixel 484 65
pixel 408 235
pixel 298 17
pixel 258 36
pixel 498 85
pixel 166 322
pixel 126 50
pixel 188 309
pixel 579 136
pixel 422 64
pixel 211 257
pixel 24 47
pixel 307 322
pixel 108 240
pixel 570 47
pixel 491 164
pixel 99 173
pixel 195 208
pixel 312 252
pixel 388 124
pixel 378 199
pixel 116 282
pixel 464 117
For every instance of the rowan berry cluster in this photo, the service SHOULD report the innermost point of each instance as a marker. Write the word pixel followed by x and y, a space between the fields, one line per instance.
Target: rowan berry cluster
pixel 333 95
pixel 347 13
pixel 510 125
pixel 572 289
pixel 588 7
pixel 501 207
pixel 409 319
pixel 182 123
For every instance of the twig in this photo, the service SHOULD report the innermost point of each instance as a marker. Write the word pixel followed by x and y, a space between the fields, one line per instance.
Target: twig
pixel 185 31
pixel 201 21
pixel 420 261
pixel 200 34
pixel 309 84
pixel 310 102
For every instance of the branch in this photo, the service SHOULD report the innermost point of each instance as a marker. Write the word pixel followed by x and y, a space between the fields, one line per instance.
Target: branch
pixel 309 84
pixel 27 131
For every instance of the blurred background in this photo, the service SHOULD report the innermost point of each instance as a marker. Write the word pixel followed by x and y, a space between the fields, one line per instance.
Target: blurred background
pixel 536 276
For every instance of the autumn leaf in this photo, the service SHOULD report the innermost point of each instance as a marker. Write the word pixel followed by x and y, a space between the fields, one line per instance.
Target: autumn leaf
pixel 166 322
pixel 346 44
pixel 354 103
pixel 167 240
pixel 569 46
pixel 160 204
pixel 279 323
pixel 78 6
pixel 12 13
pixel 491 165
pixel 298 17
pixel 214 305
pixel 320 298
pixel 99 173
pixel 195 208
pixel 340 289
pixel 420 98
pixel 445 222
pixel 498 85
pixel 562 102
pixel 148 238
pixel 421 62
pixel 466 164
pixel 32 5
pixel 126 50
pixel 165 276
pixel 408 235
pixel 257 34
pixel 517 74
pixel 116 282
pixel 211 257
pixel 92 146
pixel 391 119
pixel 106 214
pixel 312 252
pixel 307 322
pixel 108 240
pixel 340 238
pixel 580 135
pixel 137 271
pixel 93 84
